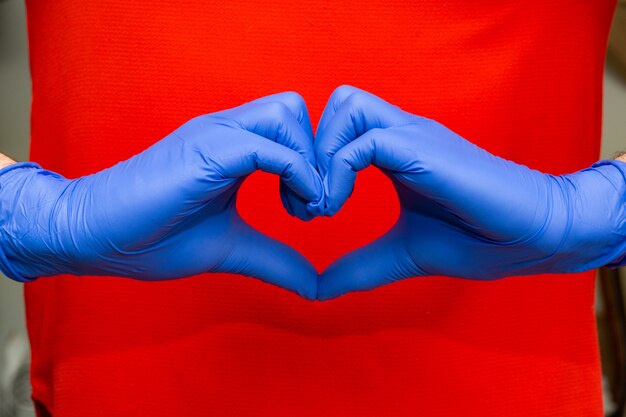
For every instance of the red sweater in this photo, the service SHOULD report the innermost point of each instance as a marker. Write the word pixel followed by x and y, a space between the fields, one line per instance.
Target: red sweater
pixel 522 79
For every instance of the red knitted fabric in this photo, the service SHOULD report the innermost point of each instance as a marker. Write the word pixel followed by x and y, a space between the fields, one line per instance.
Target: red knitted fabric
pixel 522 79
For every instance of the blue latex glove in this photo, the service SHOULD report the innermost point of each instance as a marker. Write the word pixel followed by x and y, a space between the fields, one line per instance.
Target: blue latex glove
pixel 464 212
pixel 168 212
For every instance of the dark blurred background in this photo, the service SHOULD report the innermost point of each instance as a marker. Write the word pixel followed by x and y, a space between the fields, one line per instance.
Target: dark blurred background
pixel 14 141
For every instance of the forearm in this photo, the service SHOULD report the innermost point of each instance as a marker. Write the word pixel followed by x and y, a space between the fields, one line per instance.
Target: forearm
pixel 595 200
pixel 5 161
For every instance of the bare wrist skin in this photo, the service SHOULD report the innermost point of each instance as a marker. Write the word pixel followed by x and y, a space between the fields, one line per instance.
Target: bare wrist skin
pixel 620 156
pixel 5 161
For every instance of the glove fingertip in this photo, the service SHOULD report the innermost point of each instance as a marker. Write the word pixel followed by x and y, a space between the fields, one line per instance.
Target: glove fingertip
pixel 316 208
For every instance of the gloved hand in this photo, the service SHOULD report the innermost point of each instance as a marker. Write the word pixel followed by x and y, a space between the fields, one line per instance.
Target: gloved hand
pixel 168 212
pixel 464 212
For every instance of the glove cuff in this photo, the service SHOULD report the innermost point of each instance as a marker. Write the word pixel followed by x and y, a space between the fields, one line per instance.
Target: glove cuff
pixel 18 165
pixel 5 266
pixel 9 271
pixel 619 259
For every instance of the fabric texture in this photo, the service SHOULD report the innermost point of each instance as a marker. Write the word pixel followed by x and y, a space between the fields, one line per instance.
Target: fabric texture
pixel 520 79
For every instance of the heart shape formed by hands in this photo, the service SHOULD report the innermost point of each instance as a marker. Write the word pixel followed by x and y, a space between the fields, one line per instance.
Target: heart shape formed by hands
pixel 170 211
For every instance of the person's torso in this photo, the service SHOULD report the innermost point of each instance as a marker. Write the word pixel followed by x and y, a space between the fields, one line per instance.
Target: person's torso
pixel 520 78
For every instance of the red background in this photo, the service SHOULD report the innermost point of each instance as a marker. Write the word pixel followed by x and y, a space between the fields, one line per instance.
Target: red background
pixel 522 79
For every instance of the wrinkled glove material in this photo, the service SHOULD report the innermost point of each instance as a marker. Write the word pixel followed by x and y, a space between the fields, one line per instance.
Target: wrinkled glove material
pixel 464 212
pixel 168 212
